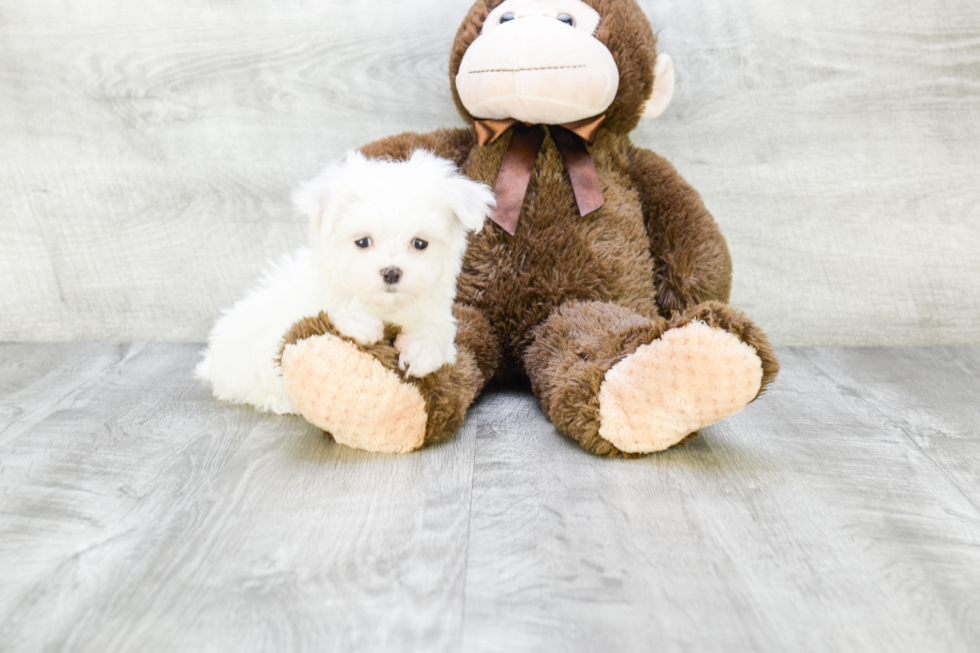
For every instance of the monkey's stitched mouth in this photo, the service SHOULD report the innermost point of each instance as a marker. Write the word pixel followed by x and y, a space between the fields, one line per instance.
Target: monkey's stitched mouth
pixel 522 70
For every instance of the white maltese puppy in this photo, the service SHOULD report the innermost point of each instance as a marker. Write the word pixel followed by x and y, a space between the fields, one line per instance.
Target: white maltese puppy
pixel 388 245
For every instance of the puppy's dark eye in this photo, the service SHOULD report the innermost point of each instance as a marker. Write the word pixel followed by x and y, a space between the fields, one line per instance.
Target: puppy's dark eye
pixel 363 243
pixel 568 20
pixel 418 243
pixel 506 18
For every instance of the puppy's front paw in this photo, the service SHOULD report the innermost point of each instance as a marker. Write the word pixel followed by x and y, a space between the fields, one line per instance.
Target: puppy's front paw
pixel 420 355
pixel 365 329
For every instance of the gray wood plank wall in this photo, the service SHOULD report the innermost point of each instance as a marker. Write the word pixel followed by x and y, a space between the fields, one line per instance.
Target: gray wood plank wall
pixel 148 148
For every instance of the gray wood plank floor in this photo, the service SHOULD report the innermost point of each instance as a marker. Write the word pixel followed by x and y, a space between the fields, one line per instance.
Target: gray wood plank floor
pixel 841 512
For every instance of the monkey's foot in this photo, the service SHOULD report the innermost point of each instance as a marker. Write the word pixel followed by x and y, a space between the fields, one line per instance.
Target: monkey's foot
pixel 690 377
pixel 350 394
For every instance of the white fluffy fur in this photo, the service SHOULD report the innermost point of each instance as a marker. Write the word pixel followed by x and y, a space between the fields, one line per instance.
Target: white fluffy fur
pixel 392 204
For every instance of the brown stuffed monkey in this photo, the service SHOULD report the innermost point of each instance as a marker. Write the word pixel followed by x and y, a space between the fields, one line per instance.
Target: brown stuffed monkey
pixel 603 280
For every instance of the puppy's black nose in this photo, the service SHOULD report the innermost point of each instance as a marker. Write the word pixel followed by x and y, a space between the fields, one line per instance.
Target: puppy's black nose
pixel 391 275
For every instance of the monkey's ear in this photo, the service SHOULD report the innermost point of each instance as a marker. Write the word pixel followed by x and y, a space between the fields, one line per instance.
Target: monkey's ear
pixel 663 87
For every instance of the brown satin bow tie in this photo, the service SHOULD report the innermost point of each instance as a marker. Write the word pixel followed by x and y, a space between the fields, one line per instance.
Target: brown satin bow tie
pixel 518 163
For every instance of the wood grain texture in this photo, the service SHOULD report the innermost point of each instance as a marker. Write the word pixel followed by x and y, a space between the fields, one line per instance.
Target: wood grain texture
pixel 835 143
pixel 839 513
pixel 812 521
pixel 35 382
pixel 148 149
pixel 141 515
pixel 932 397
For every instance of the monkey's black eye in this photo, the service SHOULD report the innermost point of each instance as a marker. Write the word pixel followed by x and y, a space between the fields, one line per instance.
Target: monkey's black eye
pixel 363 243
pixel 418 243
pixel 506 18
pixel 568 20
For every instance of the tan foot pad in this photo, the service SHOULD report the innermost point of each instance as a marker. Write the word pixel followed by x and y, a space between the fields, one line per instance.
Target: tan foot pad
pixel 352 396
pixel 691 377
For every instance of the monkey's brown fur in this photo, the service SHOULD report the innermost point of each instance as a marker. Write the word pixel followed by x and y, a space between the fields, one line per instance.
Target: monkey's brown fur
pixel 567 297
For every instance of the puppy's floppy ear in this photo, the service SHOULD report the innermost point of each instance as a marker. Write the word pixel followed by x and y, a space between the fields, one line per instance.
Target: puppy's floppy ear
pixel 470 201
pixel 321 197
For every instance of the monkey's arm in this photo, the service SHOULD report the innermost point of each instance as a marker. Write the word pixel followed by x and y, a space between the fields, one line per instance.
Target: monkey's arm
pixel 453 144
pixel 691 258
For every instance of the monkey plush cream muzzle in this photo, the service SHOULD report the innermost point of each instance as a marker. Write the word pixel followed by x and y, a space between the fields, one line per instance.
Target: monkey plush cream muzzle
pixel 538 62
pixel 521 68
